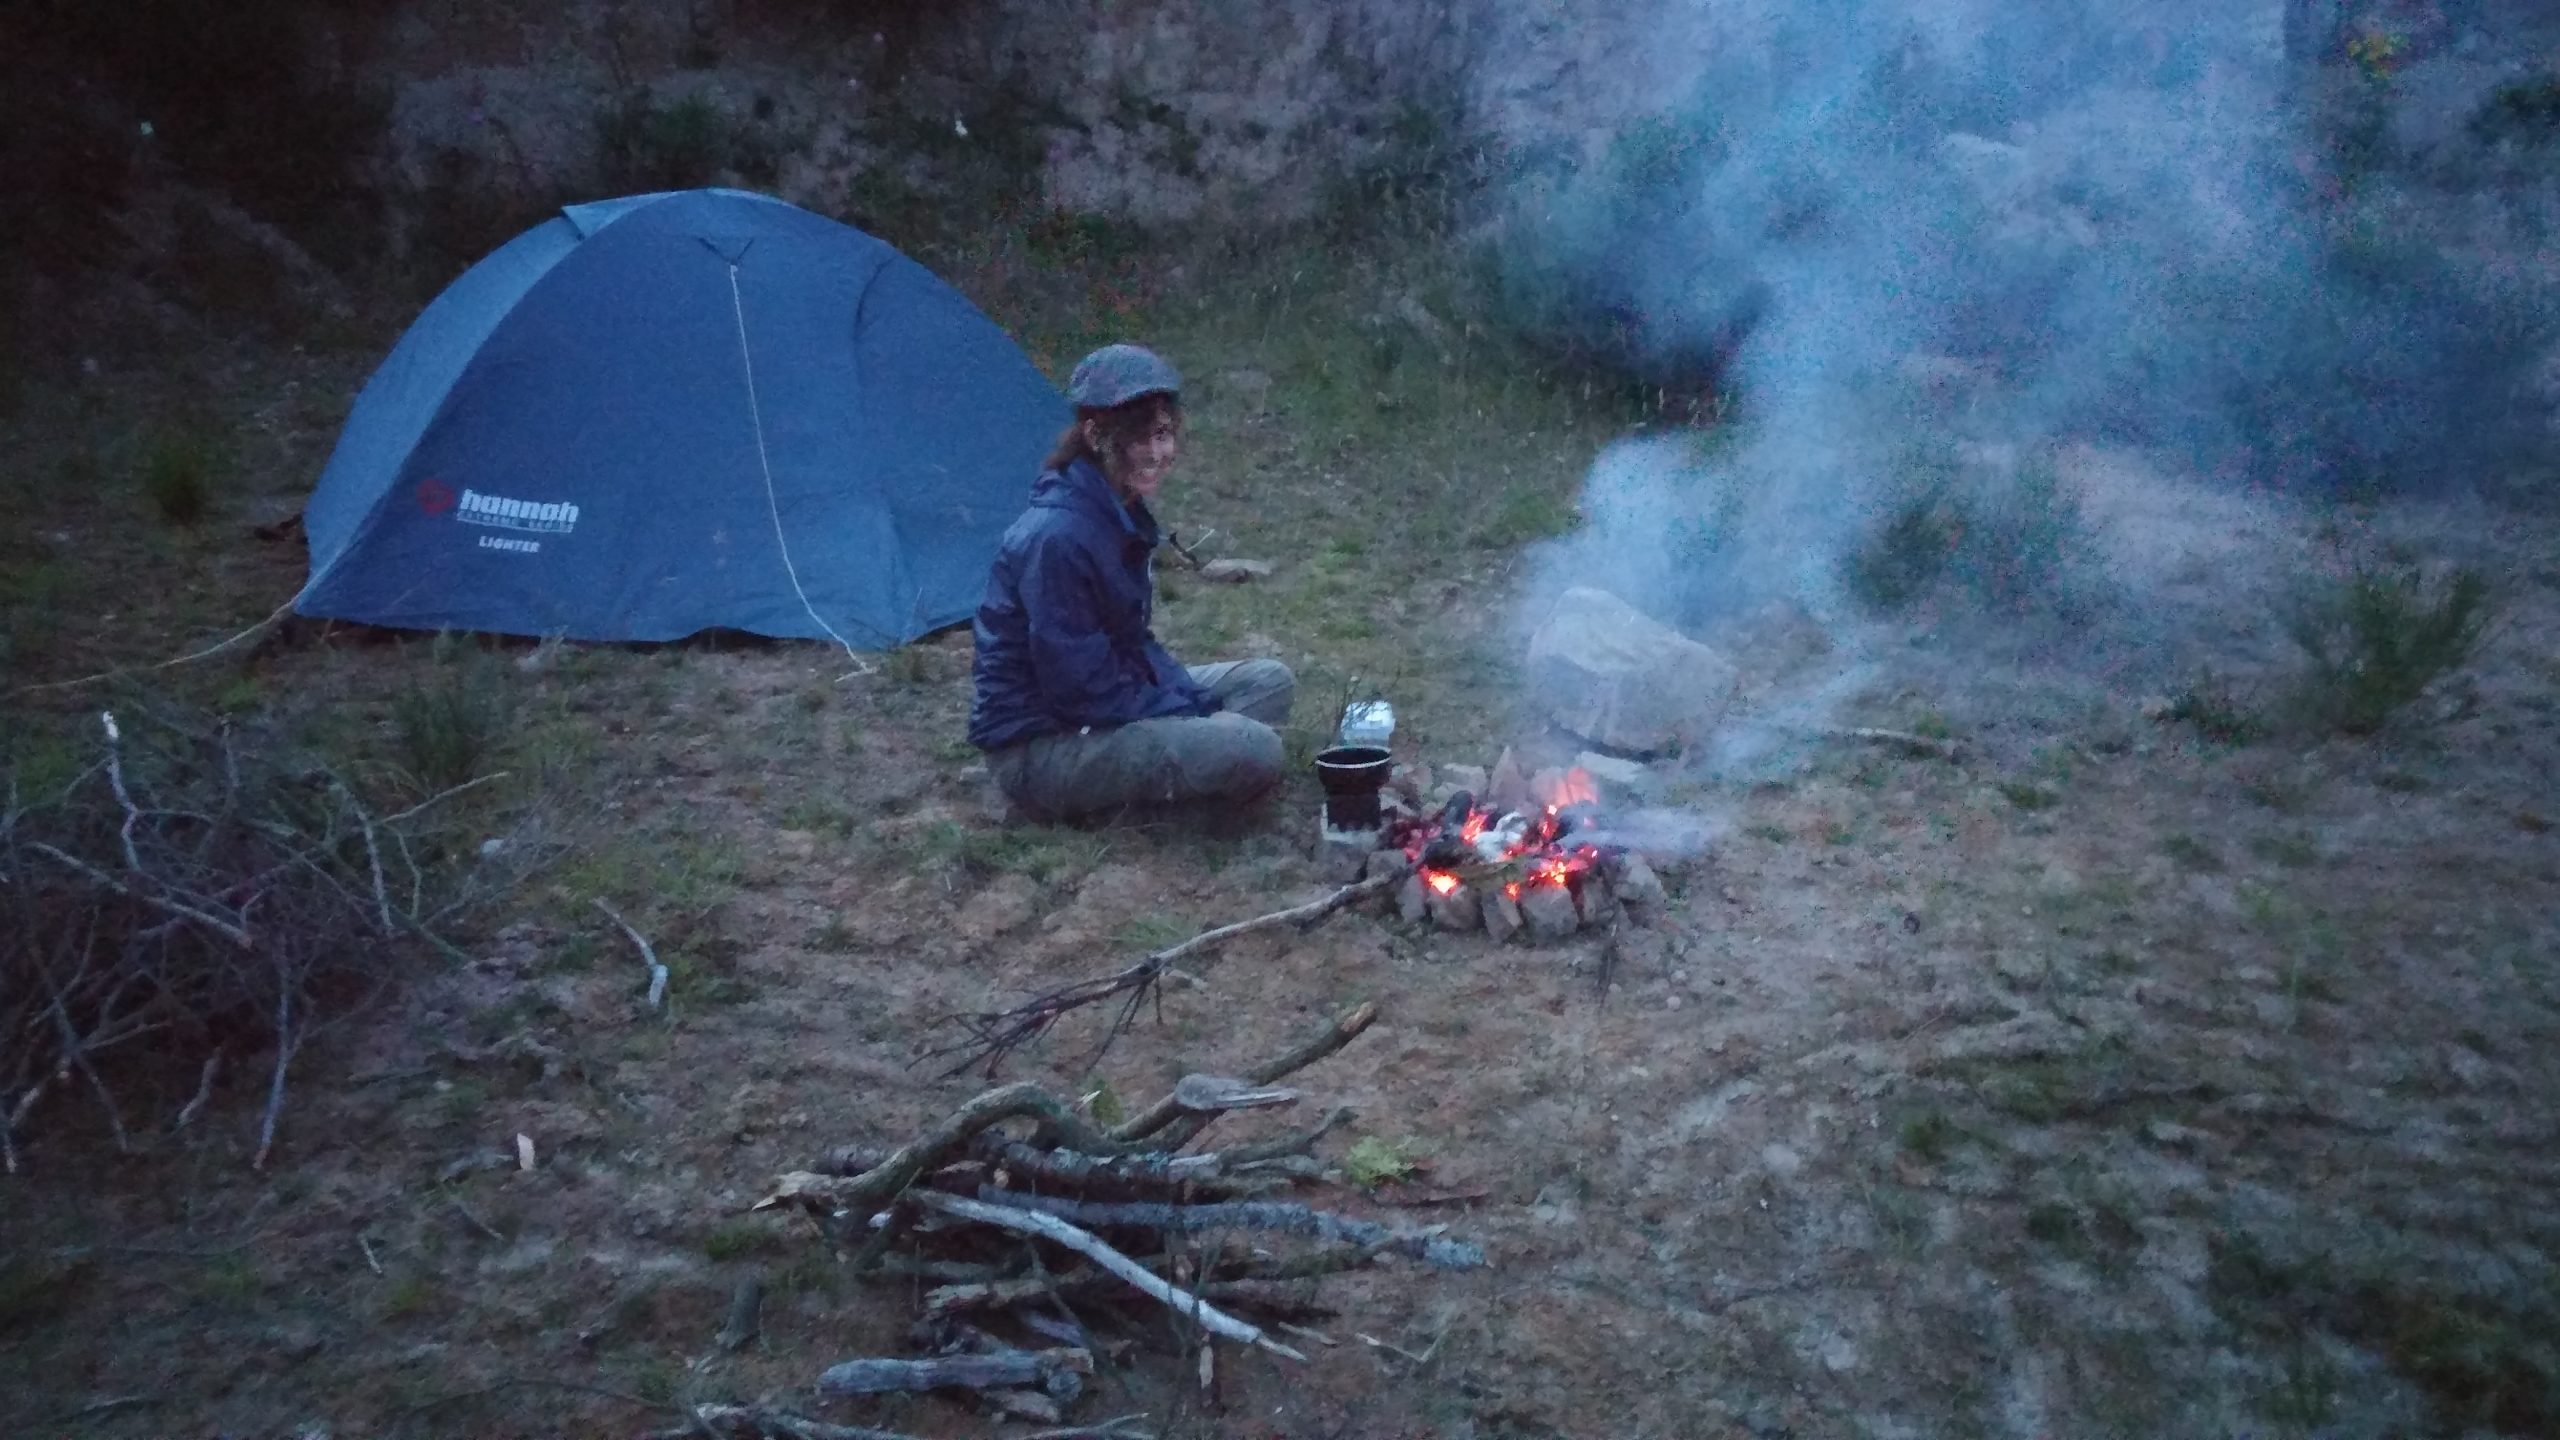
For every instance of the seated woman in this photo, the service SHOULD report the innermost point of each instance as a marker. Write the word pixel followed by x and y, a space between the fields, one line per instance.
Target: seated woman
pixel 1078 707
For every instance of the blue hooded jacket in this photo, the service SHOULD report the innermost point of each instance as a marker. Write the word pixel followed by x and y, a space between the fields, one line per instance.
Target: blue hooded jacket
pixel 1063 634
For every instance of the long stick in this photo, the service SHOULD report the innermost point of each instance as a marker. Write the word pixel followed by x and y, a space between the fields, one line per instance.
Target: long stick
pixel 1428 1246
pixel 994 1035
pixel 1049 1227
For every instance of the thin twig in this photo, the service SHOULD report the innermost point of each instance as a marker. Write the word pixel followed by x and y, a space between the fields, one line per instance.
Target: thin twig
pixel 115 782
pixel 228 931
pixel 204 1092
pixel 657 972
pixel 1085 1243
pixel 441 797
pixel 373 857
pixel 284 1057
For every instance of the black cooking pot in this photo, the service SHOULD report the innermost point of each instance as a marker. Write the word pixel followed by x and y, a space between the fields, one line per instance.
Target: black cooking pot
pixel 1352 776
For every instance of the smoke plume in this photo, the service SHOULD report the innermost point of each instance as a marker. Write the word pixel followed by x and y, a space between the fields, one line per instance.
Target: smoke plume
pixel 1940 252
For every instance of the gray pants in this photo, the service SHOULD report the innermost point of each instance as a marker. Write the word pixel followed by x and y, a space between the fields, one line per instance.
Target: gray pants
pixel 1233 755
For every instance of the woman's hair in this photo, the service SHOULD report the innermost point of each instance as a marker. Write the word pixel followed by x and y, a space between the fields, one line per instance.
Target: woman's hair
pixel 1121 427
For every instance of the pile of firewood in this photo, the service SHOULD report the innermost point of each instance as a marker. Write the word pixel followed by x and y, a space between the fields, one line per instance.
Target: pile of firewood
pixel 1038 1255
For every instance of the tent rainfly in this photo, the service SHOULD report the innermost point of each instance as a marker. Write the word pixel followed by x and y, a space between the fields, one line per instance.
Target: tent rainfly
pixel 652 416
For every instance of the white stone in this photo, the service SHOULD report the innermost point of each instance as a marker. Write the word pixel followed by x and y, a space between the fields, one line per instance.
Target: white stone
pixel 1617 677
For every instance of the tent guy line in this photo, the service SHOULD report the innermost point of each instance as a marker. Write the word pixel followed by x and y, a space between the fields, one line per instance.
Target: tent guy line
pixel 764 462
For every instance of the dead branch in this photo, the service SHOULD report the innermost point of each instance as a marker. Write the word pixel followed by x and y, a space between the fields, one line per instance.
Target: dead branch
pixel 648 956
pixel 949 1300
pixel 1163 1126
pixel 1000 1371
pixel 1427 1246
pixel 1214 1173
pixel 1168 1113
pixel 1050 1227
pixel 994 1035
pixel 884 1181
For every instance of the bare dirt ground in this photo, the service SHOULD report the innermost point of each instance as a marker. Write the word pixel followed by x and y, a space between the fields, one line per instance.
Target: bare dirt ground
pixel 2109 1081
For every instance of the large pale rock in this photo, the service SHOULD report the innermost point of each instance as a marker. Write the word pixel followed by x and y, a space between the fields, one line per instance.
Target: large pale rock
pixel 1615 676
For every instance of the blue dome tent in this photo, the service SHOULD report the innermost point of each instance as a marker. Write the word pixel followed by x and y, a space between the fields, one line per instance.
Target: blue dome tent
pixel 663 414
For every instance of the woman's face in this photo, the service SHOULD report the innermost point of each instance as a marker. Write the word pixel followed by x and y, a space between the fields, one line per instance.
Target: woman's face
pixel 1145 460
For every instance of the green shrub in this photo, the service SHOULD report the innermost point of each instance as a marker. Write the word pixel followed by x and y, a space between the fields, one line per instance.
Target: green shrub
pixel 2378 637
pixel 688 142
pixel 179 470
pixel 2007 541
pixel 2209 704
pixel 446 727
pixel 1903 561
pixel 1523 513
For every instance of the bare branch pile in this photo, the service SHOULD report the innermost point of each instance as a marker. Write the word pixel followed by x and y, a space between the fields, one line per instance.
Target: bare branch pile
pixel 1036 1251
pixel 189 900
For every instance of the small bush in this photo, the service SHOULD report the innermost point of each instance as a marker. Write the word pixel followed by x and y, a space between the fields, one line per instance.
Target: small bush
pixel 678 145
pixel 1906 557
pixel 2018 539
pixel 179 471
pixel 1521 514
pixel 2007 537
pixel 2217 713
pixel 2378 638
pixel 446 727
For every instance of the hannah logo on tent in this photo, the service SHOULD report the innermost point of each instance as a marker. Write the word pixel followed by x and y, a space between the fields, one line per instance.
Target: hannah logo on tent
pixel 434 496
pixel 549 519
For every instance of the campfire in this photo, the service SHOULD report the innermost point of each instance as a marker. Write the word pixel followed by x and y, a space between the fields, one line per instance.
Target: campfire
pixel 1545 866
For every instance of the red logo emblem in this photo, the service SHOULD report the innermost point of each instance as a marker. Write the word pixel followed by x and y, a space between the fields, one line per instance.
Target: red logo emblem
pixel 435 497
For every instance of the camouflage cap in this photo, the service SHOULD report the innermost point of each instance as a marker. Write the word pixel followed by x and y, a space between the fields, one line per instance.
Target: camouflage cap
pixel 1118 374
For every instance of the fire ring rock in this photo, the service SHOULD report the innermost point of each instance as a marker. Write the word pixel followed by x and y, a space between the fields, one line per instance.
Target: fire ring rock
pixel 1456 909
pixel 1617 677
pixel 1548 912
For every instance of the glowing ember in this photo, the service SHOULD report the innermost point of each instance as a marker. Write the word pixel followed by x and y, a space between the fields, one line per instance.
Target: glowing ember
pixel 1523 849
